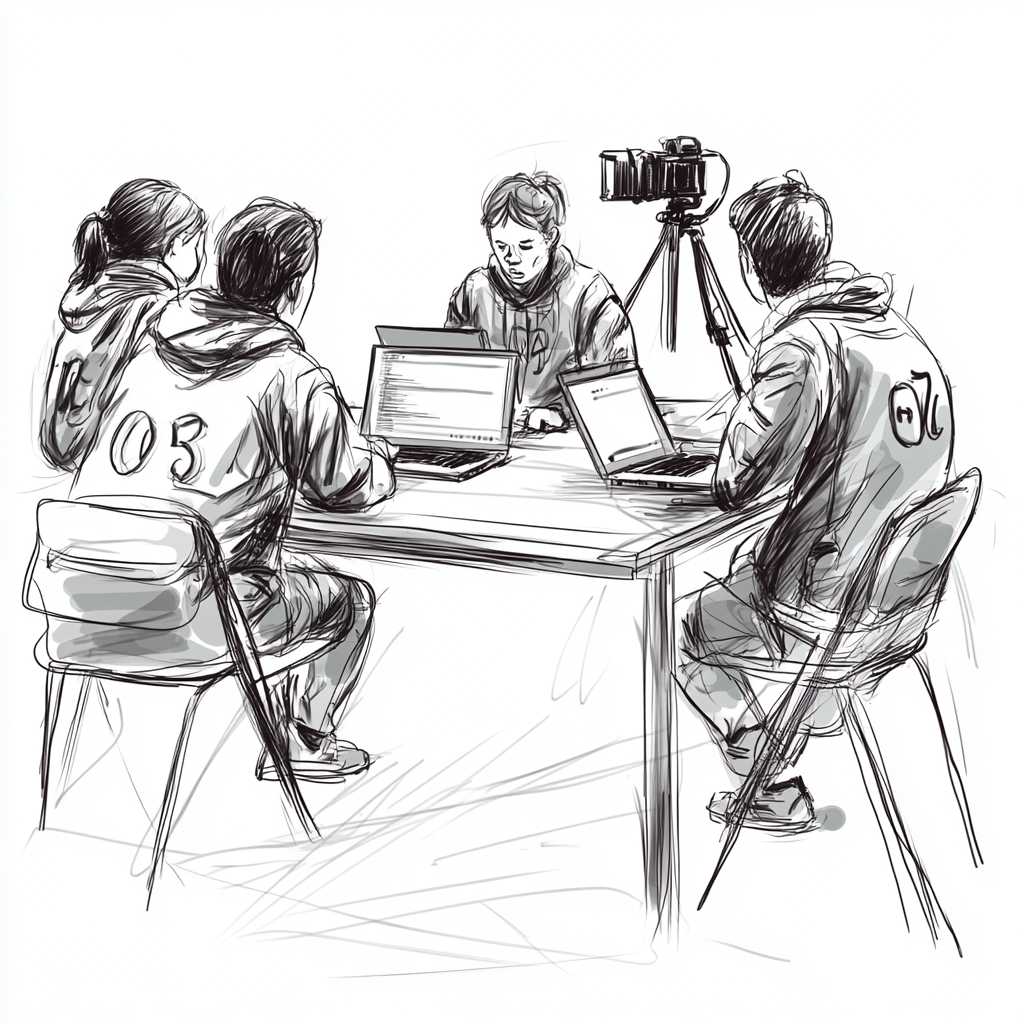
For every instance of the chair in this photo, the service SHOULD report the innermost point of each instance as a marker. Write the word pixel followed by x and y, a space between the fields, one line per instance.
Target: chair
pixel 890 605
pixel 136 590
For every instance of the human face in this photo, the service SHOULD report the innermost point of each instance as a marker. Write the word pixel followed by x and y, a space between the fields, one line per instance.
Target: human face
pixel 185 256
pixel 521 252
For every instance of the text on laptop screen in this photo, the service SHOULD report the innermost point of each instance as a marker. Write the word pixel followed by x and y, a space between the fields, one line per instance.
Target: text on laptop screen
pixel 441 397
pixel 618 417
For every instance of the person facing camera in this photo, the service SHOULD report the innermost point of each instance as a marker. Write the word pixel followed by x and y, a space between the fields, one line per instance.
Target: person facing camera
pixel 534 298
pixel 223 410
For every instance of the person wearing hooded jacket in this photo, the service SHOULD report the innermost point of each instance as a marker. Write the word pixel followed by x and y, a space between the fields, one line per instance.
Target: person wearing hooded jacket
pixel 534 298
pixel 132 257
pixel 847 418
pixel 222 408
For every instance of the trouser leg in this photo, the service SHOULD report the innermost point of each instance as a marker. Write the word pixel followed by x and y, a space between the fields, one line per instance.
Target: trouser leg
pixel 310 602
pixel 736 717
pixel 319 691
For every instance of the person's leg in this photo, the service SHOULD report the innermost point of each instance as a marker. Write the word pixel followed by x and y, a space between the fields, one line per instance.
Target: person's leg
pixel 727 657
pixel 319 691
pixel 310 602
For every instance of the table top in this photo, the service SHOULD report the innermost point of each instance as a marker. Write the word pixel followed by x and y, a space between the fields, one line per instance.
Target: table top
pixel 545 510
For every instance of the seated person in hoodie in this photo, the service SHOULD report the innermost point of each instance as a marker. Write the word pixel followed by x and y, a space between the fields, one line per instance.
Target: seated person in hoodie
pixel 241 422
pixel 131 257
pixel 535 299
pixel 848 418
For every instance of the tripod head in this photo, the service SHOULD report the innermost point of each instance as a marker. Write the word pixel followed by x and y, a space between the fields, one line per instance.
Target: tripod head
pixel 681 212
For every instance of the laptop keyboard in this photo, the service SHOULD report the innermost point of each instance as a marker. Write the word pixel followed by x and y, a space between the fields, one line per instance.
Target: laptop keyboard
pixel 682 465
pixel 442 457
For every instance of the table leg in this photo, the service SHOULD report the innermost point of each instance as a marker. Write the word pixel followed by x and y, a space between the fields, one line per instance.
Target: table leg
pixel 661 790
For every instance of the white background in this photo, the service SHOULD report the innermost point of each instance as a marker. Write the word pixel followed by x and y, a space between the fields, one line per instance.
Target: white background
pixel 388 121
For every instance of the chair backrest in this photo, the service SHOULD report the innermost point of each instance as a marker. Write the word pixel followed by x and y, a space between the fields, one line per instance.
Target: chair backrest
pixel 917 547
pixel 115 566
pixel 130 582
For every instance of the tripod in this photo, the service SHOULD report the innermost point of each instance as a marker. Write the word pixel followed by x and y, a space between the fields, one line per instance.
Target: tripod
pixel 724 328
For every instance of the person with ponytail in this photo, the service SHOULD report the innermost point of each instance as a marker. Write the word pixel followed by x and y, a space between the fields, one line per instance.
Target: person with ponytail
pixel 535 298
pixel 132 257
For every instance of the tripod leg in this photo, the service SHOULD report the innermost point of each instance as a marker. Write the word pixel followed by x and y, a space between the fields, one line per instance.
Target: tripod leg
pixel 671 286
pixel 655 256
pixel 708 285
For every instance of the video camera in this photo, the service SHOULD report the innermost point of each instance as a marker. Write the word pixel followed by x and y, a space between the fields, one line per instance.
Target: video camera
pixel 676 173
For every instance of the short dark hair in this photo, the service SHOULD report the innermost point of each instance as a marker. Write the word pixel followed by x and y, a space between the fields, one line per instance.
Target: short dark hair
pixel 263 251
pixel 786 229
pixel 534 201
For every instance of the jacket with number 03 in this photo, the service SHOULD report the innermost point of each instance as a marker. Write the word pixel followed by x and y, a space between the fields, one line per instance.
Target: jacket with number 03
pixel 849 415
pixel 222 409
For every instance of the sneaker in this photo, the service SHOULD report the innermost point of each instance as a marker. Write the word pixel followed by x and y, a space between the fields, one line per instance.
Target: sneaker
pixel 782 807
pixel 332 760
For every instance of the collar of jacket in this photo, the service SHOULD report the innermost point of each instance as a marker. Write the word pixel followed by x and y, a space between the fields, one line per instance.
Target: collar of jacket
pixel 841 287
pixel 540 288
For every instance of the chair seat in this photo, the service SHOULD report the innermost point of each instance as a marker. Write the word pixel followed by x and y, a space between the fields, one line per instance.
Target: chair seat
pixel 181 674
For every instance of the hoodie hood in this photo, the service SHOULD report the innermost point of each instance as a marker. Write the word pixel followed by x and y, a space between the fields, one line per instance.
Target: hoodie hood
pixel 204 335
pixel 118 284
pixel 842 289
pixel 542 287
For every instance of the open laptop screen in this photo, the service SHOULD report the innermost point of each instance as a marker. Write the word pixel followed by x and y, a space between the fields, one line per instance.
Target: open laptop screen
pixel 618 417
pixel 451 399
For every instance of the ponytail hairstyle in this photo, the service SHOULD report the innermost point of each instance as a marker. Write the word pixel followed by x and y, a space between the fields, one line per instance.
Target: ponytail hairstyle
pixel 536 201
pixel 139 222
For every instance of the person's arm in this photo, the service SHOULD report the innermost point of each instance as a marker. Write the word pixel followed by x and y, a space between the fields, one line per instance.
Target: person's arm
pixel 83 376
pixel 605 334
pixel 770 427
pixel 56 437
pixel 460 313
pixel 333 471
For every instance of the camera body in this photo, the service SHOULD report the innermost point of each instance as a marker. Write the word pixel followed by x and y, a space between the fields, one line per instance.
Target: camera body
pixel 675 173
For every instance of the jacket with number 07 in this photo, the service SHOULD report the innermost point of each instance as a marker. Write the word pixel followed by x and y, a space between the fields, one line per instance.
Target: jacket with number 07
pixel 849 417
pixel 222 409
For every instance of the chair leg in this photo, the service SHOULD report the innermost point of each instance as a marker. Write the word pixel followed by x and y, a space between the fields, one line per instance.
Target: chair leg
pixel 163 828
pixel 71 741
pixel 877 784
pixel 54 692
pixel 780 729
pixel 955 777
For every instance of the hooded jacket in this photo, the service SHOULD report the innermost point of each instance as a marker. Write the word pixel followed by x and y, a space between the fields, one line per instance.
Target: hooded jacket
pixel 222 409
pixel 849 413
pixel 102 322
pixel 567 318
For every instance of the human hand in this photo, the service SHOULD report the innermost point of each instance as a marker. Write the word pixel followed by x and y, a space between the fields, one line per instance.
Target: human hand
pixel 543 420
pixel 385 449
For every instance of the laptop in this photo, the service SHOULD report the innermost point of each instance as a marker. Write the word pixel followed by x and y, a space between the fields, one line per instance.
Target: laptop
pixel 625 434
pixel 448 411
pixel 432 337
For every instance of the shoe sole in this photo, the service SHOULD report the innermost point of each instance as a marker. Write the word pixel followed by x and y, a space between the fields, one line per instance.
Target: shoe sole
pixel 311 771
pixel 785 828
